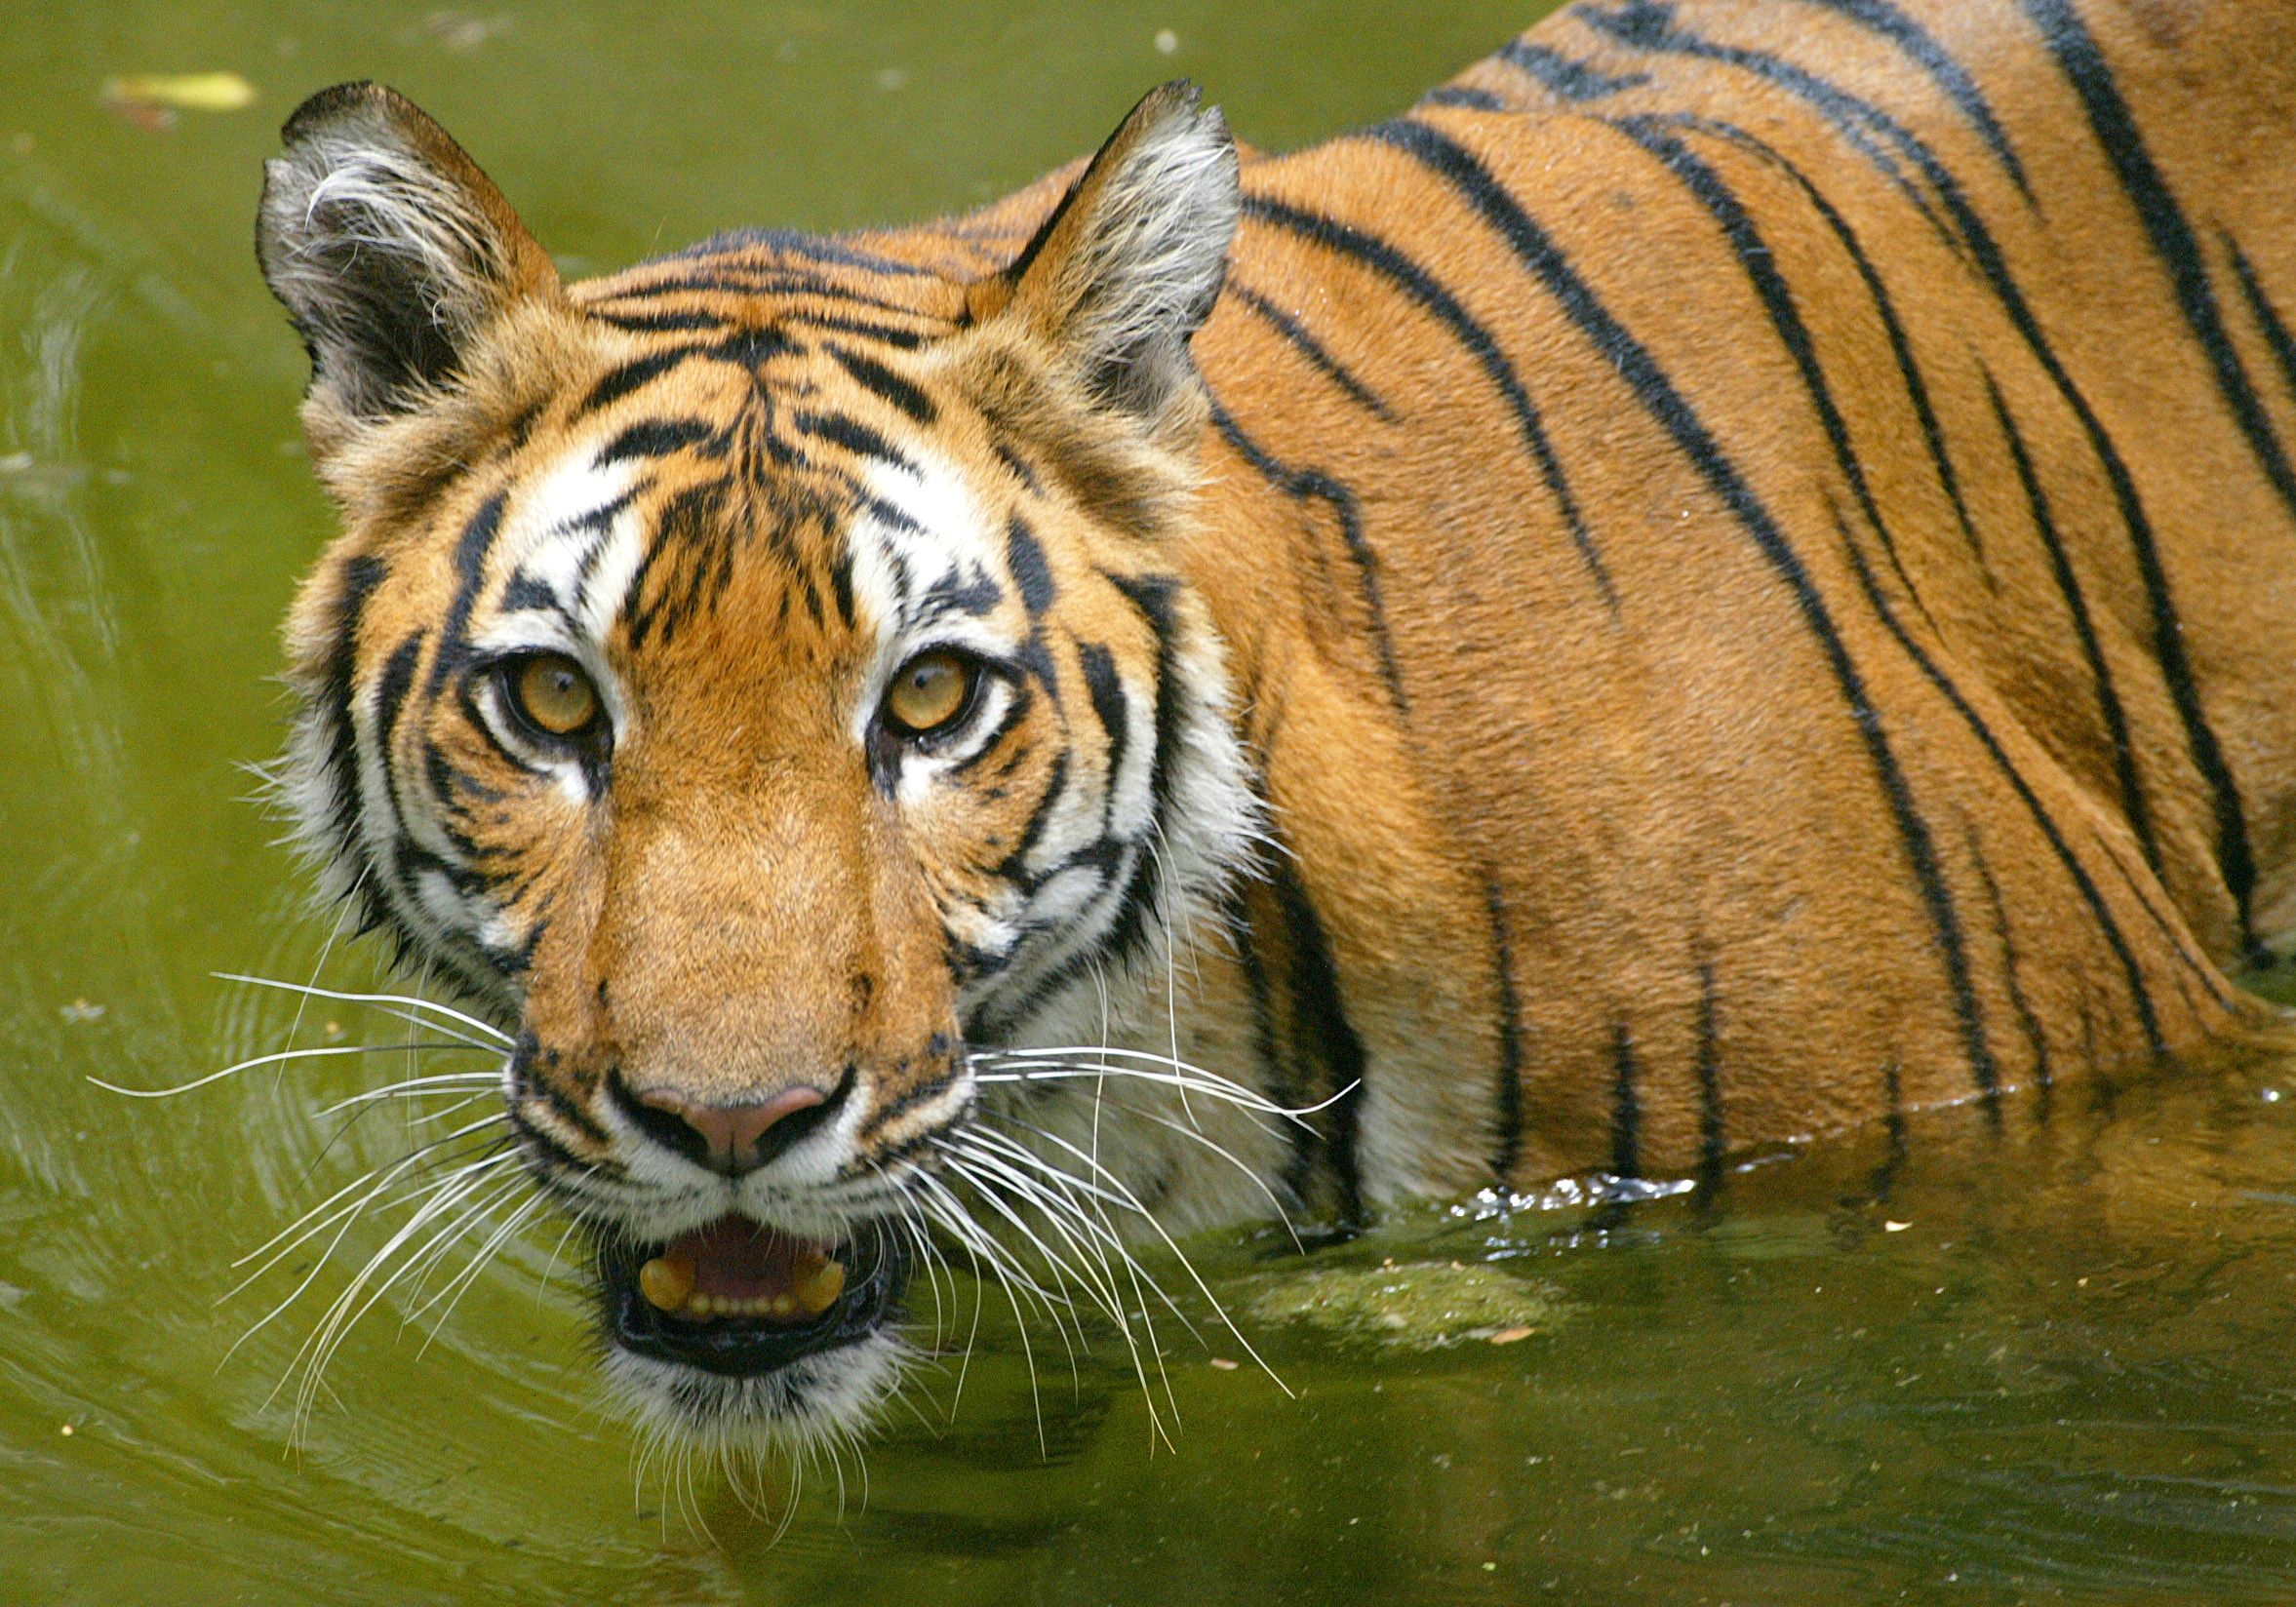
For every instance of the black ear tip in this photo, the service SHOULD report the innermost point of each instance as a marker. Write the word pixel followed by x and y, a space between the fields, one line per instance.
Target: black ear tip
pixel 361 99
pixel 1172 98
pixel 1181 100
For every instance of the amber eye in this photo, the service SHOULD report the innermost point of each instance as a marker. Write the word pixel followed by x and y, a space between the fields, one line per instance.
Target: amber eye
pixel 554 695
pixel 929 691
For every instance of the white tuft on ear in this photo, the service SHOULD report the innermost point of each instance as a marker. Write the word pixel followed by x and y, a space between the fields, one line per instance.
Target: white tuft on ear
pixel 1128 264
pixel 387 246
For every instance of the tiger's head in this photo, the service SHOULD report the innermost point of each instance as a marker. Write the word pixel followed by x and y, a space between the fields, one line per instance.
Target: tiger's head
pixel 759 679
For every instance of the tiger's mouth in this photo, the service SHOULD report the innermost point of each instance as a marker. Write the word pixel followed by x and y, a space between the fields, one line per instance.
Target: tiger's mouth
pixel 738 1299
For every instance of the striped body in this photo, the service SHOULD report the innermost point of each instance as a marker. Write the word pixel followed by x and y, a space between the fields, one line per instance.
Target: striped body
pixel 1796 517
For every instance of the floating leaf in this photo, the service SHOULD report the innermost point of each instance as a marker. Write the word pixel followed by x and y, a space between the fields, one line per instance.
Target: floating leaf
pixel 182 91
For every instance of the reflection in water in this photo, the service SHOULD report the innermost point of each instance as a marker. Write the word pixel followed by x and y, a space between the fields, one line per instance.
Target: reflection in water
pixel 2043 1362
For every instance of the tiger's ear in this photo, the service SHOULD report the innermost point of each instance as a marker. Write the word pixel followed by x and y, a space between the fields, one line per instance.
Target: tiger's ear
pixel 388 246
pixel 1129 262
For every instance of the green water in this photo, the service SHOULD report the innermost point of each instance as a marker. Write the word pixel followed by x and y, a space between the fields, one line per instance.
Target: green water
pixel 2067 1376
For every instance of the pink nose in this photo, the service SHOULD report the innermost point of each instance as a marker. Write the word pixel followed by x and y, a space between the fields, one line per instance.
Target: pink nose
pixel 734 1136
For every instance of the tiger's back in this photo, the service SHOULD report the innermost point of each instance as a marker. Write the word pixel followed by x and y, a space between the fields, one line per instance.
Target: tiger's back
pixel 1806 506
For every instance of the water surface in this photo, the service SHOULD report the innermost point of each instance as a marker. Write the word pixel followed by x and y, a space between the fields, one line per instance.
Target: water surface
pixel 2046 1360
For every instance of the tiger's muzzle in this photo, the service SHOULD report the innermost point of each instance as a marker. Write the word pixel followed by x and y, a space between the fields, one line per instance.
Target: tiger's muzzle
pixel 740 1300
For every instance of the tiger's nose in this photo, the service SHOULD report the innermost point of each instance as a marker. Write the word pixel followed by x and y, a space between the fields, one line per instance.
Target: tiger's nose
pixel 733 1139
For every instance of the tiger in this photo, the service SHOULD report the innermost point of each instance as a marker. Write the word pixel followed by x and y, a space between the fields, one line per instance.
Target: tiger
pixel 1726 577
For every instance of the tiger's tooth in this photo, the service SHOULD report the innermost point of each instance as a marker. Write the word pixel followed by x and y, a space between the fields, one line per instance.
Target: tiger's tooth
pixel 817 1287
pixel 666 1282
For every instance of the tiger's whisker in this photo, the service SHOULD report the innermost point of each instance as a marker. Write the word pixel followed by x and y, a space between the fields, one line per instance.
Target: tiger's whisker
pixel 389 1171
pixel 347 1308
pixel 960 1221
pixel 1052 1204
pixel 486 1031
pixel 349 1216
pixel 469 1274
pixel 418 1087
pixel 278 1056
pixel 1170 1243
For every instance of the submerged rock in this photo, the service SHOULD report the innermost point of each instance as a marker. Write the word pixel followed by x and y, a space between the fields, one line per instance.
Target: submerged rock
pixel 1422 1304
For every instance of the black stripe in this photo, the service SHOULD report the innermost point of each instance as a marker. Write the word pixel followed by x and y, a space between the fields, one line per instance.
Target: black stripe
pixel 557 1154
pixel 1562 77
pixel 654 438
pixel 471 549
pixel 1458 95
pixel 841 586
pixel 521 960
pixel 2036 1036
pixel 1020 264
pixel 923 1093
pixel 525 594
pixel 875 378
pixel 1422 287
pixel 1275 1070
pixel 1014 865
pixel 821 249
pixel 2044 525
pixel 966 591
pixel 618 382
pixel 2123 145
pixel 1017 710
pixel 1933 59
pixel 1713 1137
pixel 685 530
pixel 562 1105
pixel 752 346
pixel 2267 317
pixel 1674 414
pixel 1647 25
pixel 753 282
pixel 1893 1126
pixel 390 694
pixel 1017 464
pixel 1507 1087
pixel 1152 596
pixel 1024 557
pixel 598 523
pixel 2150 897
pixel 1650 27
pixel 1107 695
pixel 1313 350
pixel 1321 1030
pixel 2139 994
pixel 1900 344
pixel 851 434
pixel 1626 1106
pixel 1777 301
pixel 1303 484
pixel 361 576
pixel 658 323
pixel 884 335
pixel 745 347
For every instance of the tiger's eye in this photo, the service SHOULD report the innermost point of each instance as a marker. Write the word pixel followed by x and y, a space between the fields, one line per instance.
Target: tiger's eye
pixel 555 694
pixel 929 691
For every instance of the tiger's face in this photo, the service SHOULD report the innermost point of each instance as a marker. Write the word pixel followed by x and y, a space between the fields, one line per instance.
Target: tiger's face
pixel 759 679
